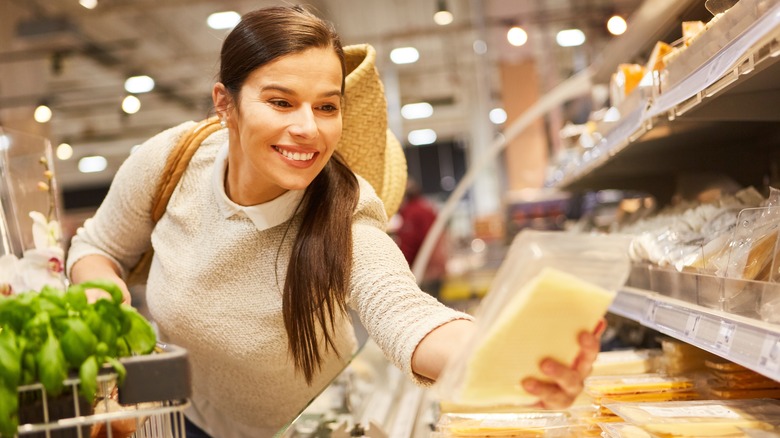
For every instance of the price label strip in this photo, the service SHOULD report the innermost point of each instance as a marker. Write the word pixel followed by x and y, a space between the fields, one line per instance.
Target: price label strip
pixel 725 336
pixel 692 326
pixel 770 354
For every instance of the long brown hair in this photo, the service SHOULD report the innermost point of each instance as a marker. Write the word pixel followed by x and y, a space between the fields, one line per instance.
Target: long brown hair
pixel 318 273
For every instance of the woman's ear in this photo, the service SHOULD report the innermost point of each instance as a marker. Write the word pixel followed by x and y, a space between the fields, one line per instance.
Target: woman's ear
pixel 221 98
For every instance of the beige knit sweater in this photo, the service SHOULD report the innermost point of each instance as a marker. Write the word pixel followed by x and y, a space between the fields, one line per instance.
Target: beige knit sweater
pixel 215 289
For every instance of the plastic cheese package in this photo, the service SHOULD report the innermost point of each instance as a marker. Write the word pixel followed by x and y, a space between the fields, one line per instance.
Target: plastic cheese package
pixel 526 424
pixel 550 287
pixel 701 418
pixel 620 362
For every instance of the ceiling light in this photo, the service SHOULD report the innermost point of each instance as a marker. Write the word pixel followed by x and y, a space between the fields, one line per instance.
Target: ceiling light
pixel 64 151
pixel 42 113
pixel 443 16
pixel 223 20
pixel 92 164
pixel 617 25
pixel 421 137
pixel 131 104
pixel 570 38
pixel 404 55
pixel 139 84
pixel 421 110
pixel 497 116
pixel 89 4
pixel 480 47
pixel 517 36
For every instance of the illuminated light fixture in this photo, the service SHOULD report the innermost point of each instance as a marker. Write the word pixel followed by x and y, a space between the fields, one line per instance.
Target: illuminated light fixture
pixel 92 164
pixel 42 113
pixel 131 104
pixel 412 111
pixel 223 20
pixel 139 84
pixel 497 116
pixel 480 47
pixel 64 151
pixel 616 25
pixel 570 38
pixel 404 55
pixel 89 4
pixel 421 137
pixel 443 16
pixel 517 36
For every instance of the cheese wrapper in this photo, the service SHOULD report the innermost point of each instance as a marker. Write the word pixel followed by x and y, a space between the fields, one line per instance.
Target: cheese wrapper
pixel 701 418
pixel 542 320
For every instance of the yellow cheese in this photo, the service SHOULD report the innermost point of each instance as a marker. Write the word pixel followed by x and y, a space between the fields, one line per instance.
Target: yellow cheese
pixel 610 363
pixel 642 383
pixel 542 320
pixel 702 419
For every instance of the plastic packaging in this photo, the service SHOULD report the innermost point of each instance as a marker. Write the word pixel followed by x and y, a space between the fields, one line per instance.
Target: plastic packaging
pixel 528 424
pixel 600 260
pixel 701 418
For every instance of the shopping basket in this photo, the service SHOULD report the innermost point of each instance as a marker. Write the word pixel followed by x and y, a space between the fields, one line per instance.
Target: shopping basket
pixel 149 403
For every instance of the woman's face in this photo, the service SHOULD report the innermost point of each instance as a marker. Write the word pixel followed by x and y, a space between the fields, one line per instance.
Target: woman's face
pixel 287 125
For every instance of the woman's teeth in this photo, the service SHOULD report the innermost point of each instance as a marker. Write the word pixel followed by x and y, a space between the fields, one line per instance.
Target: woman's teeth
pixel 297 156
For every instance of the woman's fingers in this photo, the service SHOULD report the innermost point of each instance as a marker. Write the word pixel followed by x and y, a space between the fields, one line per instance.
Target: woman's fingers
pixel 589 350
pixel 551 396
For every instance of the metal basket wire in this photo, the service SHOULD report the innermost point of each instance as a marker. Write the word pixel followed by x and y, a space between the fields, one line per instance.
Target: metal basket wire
pixel 70 416
pixel 149 403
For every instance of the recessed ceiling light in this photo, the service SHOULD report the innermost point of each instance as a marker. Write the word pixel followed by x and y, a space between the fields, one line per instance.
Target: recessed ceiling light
pixel 616 25
pixel 497 116
pixel 139 84
pixel 421 137
pixel 570 38
pixel 223 20
pixel 92 164
pixel 404 55
pixel 64 151
pixel 42 114
pixel 421 110
pixel 517 36
pixel 131 104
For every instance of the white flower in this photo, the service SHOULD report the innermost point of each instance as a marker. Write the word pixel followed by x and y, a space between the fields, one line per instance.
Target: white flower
pixel 45 234
pixel 8 270
pixel 38 268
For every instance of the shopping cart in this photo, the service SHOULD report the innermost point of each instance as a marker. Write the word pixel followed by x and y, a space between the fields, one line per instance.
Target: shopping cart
pixel 148 404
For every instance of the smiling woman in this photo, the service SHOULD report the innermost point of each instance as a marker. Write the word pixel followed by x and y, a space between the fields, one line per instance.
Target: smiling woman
pixel 276 227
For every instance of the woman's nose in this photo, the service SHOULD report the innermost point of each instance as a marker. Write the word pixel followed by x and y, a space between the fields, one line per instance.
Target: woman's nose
pixel 305 124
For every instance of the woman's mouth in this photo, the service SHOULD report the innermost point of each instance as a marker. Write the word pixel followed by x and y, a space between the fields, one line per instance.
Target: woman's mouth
pixel 295 156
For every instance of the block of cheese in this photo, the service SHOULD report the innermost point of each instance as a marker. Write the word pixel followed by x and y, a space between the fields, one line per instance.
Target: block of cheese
pixel 525 425
pixel 542 320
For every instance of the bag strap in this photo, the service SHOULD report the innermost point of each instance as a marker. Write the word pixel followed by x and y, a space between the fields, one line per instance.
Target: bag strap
pixel 177 163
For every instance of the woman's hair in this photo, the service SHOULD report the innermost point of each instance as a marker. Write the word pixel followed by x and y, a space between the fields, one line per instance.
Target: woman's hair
pixel 317 282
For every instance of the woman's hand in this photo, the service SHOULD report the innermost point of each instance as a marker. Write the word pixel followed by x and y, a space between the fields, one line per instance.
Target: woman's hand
pixel 567 382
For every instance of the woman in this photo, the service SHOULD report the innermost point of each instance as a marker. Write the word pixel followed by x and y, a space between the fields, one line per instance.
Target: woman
pixel 268 238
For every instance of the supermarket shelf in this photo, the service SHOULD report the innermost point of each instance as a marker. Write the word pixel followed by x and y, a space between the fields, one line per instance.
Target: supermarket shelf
pixel 749 342
pixel 695 123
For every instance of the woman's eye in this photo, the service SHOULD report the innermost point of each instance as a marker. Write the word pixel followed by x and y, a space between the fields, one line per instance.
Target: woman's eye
pixel 329 108
pixel 281 103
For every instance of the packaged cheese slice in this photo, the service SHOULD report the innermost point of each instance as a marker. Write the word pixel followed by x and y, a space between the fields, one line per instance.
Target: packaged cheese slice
pixel 622 362
pixel 543 320
pixel 550 287
pixel 705 418
pixel 526 424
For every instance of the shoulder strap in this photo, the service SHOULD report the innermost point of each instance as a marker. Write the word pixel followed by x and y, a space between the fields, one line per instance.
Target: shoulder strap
pixel 177 163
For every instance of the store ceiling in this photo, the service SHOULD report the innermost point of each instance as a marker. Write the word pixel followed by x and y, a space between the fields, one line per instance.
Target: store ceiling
pixel 78 59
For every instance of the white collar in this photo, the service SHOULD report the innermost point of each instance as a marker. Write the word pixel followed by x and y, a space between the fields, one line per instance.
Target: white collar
pixel 264 216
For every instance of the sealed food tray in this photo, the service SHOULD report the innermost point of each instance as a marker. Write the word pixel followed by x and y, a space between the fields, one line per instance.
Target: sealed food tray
pixel 148 403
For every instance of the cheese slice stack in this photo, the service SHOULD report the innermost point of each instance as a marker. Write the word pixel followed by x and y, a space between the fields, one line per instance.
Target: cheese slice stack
pixel 542 320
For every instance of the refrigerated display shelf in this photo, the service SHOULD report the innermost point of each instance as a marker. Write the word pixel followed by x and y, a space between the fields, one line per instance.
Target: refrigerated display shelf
pixel 699 94
pixel 751 343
